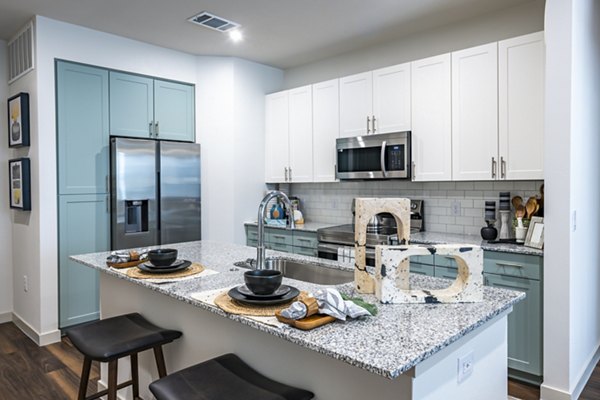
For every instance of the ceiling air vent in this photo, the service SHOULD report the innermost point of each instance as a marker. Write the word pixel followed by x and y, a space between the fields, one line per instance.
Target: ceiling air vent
pixel 213 22
pixel 20 53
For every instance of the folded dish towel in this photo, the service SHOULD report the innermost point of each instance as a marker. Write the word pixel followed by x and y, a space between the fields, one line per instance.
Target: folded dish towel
pixel 123 256
pixel 330 302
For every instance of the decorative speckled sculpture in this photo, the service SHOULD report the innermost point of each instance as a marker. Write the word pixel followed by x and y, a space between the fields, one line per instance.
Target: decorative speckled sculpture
pixel 364 210
pixel 392 283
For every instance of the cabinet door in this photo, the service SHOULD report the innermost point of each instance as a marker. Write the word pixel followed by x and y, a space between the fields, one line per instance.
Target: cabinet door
pixel 301 135
pixel 131 105
pixel 521 107
pixel 421 269
pixel 524 323
pixel 174 111
pixel 431 137
pixel 445 272
pixel 356 105
pixel 83 228
pixel 475 113
pixel 276 137
pixel 326 129
pixel 391 99
pixel 82 125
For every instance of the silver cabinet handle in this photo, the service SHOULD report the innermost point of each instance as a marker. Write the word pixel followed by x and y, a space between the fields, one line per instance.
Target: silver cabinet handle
pixel 382 158
pixel 373 123
pixel 414 170
pixel 493 167
pixel 156 128
pixel 286 174
pixel 368 125
pixel 150 128
pixel 106 183
pixel 502 167
pixel 290 174
pixel 510 265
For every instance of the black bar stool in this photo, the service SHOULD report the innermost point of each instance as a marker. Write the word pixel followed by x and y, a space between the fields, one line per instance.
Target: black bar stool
pixel 225 377
pixel 109 339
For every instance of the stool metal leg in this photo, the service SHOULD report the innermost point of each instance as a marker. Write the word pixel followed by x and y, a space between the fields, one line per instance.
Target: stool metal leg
pixel 112 379
pixel 85 377
pixel 160 361
pixel 135 376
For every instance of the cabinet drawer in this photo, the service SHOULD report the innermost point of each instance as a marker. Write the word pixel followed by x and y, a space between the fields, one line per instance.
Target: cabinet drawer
pixel 305 239
pixel 251 243
pixel 421 269
pixel 428 260
pixel 251 233
pixel 445 272
pixel 286 248
pixel 306 251
pixel 519 265
pixel 279 236
pixel 445 261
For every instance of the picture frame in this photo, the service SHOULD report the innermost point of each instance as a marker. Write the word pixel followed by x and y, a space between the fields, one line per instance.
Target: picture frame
pixel 535 233
pixel 19 180
pixel 18 120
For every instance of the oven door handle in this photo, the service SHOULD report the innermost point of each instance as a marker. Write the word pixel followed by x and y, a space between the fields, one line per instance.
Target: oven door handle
pixel 382 158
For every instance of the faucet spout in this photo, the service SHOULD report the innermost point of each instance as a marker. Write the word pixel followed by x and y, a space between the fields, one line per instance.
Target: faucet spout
pixel 262 210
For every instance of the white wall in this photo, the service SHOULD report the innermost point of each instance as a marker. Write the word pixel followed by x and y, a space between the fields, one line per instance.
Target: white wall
pixel 6 291
pixel 571 278
pixel 514 21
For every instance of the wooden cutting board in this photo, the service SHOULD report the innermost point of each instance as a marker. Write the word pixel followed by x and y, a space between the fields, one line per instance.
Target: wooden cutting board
pixel 308 323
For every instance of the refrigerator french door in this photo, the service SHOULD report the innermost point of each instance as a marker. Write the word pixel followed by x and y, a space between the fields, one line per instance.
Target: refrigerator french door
pixel 155 192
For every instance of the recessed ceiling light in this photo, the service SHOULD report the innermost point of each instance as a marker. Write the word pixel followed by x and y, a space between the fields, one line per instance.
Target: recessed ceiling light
pixel 213 22
pixel 236 35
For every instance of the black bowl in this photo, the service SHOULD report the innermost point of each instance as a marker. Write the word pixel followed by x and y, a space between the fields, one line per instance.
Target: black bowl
pixel 263 281
pixel 162 257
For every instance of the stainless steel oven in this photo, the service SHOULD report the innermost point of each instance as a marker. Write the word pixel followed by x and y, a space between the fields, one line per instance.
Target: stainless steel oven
pixel 383 156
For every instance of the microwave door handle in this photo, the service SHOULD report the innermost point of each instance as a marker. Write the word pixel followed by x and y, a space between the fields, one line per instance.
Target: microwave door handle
pixel 382 159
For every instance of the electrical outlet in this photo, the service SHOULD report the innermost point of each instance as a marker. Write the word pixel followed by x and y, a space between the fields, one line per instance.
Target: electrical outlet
pixel 456 208
pixel 25 283
pixel 465 366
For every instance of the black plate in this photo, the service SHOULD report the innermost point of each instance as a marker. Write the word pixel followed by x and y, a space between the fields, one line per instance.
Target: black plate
pixel 237 296
pixel 181 267
pixel 280 292
pixel 176 264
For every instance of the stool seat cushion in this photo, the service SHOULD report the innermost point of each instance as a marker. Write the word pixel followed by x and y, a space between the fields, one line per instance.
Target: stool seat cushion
pixel 223 378
pixel 118 337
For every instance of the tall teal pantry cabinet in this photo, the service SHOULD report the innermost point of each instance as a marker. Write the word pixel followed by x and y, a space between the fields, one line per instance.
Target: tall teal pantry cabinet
pixel 82 101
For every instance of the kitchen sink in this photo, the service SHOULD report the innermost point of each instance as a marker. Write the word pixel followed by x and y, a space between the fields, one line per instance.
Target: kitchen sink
pixel 303 271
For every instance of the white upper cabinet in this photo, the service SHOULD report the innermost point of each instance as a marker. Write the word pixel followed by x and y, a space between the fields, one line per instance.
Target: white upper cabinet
pixel 326 129
pixel 521 107
pixel 475 113
pixel 276 137
pixel 391 99
pixel 431 119
pixel 301 135
pixel 356 104
pixel 375 102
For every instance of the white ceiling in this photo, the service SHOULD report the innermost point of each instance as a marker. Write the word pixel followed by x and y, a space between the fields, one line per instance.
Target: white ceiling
pixel 281 33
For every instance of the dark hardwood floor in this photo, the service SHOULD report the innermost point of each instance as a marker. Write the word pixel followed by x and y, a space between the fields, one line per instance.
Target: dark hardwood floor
pixel 52 372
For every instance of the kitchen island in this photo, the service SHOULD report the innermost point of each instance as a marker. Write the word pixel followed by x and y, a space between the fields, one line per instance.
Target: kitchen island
pixel 405 352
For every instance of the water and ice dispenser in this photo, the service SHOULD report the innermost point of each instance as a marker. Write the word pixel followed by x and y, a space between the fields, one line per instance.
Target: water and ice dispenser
pixel 136 216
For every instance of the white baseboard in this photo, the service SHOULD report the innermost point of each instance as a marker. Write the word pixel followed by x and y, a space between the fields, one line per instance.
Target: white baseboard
pixel 41 339
pixel 6 317
pixel 550 393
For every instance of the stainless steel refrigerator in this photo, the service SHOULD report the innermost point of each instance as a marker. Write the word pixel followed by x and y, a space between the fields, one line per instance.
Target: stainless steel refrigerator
pixel 155 192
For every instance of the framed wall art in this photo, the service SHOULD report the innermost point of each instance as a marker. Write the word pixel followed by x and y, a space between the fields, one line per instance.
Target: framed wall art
pixel 18 120
pixel 19 184
pixel 535 233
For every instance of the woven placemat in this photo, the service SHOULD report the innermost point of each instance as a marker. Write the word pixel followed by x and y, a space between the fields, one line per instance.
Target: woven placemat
pixel 193 269
pixel 226 303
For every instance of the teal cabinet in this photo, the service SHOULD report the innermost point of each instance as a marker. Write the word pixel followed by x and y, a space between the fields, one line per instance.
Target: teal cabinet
pixel 421 269
pixel 445 272
pixel 174 111
pixel 145 107
pixel 131 105
pixel 83 228
pixel 288 241
pixel 82 125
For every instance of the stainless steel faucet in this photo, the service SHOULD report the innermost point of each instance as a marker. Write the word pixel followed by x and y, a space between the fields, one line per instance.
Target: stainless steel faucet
pixel 262 210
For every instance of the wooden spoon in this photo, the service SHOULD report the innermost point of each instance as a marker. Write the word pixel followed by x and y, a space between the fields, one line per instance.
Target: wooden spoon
pixel 517 201
pixel 520 211
pixel 530 206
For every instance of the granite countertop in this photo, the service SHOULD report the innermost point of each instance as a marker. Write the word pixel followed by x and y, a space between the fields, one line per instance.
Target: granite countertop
pixel 389 344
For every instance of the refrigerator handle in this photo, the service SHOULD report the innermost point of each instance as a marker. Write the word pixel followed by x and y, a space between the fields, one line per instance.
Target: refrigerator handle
pixel 158 196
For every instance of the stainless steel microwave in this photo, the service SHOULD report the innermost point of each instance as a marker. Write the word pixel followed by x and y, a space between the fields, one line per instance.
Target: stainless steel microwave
pixel 381 156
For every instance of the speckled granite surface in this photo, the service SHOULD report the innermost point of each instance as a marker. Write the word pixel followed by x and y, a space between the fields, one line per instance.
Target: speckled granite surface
pixel 397 339
pixel 308 226
pixel 449 238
